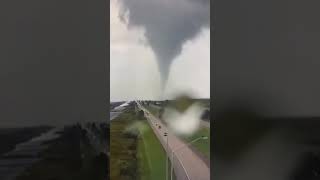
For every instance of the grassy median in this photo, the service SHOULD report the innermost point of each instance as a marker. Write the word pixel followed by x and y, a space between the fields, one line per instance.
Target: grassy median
pixel 151 155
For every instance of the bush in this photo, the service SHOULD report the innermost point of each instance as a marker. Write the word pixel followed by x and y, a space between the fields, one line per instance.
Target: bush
pixel 129 168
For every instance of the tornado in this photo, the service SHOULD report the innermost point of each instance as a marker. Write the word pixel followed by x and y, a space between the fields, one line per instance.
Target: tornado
pixel 167 25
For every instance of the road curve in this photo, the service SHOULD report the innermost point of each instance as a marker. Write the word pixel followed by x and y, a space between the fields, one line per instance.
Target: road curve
pixel 187 165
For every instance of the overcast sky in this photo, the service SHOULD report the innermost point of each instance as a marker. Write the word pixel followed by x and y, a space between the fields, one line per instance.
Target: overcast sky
pixel 134 70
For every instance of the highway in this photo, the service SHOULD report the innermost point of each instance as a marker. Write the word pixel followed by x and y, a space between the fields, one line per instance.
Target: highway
pixel 187 165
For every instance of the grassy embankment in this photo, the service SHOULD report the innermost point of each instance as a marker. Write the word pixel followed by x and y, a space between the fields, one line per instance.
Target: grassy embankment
pixel 151 155
pixel 136 153
pixel 203 146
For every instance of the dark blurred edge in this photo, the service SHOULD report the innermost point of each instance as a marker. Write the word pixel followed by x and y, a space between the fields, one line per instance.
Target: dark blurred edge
pixel 238 123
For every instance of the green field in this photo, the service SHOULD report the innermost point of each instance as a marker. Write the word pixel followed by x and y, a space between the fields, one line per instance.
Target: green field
pixel 136 152
pixel 151 155
pixel 123 162
pixel 202 146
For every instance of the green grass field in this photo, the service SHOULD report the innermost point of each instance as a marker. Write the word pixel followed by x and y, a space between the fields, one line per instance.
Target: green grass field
pixel 141 158
pixel 202 146
pixel 151 155
pixel 122 148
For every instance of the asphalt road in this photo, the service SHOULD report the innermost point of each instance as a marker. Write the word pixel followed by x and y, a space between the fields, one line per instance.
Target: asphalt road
pixel 187 165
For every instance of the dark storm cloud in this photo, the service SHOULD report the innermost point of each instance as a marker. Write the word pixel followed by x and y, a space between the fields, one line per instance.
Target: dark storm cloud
pixel 52 62
pixel 267 56
pixel 168 24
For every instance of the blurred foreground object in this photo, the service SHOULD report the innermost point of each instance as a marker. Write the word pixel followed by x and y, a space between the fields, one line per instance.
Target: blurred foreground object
pixel 249 146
